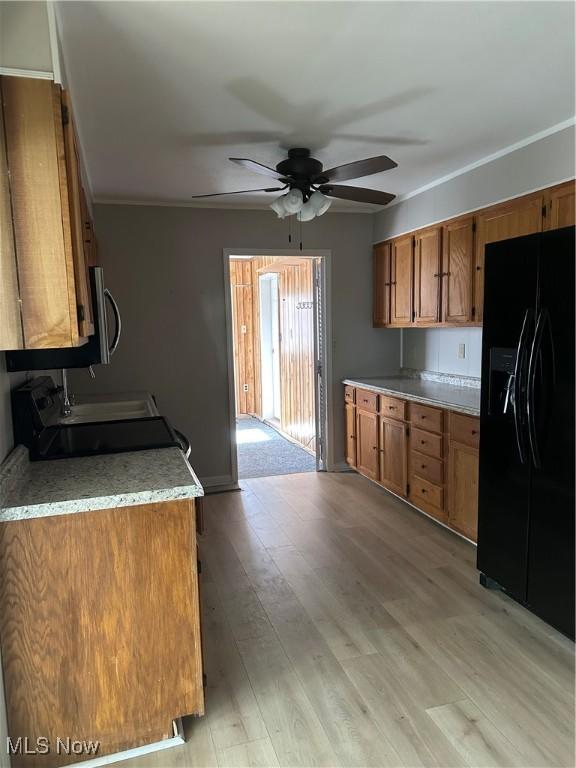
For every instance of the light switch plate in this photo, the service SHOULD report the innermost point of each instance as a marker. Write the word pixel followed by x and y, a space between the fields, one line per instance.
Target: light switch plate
pixel 461 351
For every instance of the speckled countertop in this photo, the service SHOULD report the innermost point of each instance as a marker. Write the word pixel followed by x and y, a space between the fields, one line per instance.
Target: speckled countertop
pixel 443 395
pixel 67 486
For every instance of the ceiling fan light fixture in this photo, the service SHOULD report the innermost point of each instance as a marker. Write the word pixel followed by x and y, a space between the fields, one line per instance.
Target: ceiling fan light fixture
pixel 306 213
pixel 293 201
pixel 320 203
pixel 278 207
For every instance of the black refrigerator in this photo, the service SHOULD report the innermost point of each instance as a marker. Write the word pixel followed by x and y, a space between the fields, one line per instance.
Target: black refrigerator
pixel 526 488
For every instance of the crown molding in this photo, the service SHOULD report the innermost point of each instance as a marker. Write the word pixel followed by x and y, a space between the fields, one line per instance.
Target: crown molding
pixel 39 74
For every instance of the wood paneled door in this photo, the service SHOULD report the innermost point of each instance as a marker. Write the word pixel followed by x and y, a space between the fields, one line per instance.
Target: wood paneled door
pixel 367 443
pixel 427 273
pixel 463 489
pixel 243 330
pixel 523 216
pixel 382 267
pixel 402 270
pixel 457 270
pixel 393 455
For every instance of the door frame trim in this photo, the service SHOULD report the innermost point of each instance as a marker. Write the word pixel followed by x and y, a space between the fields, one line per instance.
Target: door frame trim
pixel 325 256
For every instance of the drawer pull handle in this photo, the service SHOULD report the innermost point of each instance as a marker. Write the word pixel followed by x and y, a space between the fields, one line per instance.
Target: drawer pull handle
pixel 422 417
pixel 391 407
pixel 422 466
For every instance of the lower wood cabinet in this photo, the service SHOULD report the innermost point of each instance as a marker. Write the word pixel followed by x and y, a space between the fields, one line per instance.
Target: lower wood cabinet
pixel 422 453
pixel 351 434
pixel 393 455
pixel 463 474
pixel 367 443
pixel 100 627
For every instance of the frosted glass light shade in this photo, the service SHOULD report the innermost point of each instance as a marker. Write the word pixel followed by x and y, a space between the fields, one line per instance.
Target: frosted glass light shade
pixel 320 203
pixel 278 207
pixel 293 201
pixel 306 213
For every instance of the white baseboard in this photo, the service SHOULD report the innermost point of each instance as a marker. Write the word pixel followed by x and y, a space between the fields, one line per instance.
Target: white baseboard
pixel 146 749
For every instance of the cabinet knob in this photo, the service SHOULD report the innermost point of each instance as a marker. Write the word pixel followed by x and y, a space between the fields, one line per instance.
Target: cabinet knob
pixel 474 431
pixel 422 442
pixel 422 466
pixel 423 490
pixel 391 407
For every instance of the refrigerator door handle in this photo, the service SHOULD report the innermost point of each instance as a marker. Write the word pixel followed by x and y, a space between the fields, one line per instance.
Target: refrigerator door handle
pixel 543 323
pixel 517 400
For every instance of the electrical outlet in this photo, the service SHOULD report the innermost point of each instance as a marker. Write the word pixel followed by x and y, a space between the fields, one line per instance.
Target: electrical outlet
pixel 245 387
pixel 461 351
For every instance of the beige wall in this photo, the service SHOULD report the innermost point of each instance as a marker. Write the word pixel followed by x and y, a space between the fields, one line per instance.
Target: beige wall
pixel 165 265
pixel 25 36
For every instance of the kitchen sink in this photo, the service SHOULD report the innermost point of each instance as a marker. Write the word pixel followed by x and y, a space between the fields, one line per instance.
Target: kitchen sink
pixel 109 411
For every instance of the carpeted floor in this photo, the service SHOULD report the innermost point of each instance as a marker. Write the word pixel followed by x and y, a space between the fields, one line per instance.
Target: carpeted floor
pixel 262 451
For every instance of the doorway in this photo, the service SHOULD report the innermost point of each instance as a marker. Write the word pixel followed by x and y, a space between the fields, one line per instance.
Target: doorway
pixel 276 311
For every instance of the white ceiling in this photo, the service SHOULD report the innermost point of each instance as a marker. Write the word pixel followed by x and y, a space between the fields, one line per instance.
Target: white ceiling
pixel 165 92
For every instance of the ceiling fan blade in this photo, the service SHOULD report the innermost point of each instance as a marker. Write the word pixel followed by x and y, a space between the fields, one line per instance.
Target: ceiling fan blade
pixel 252 165
pixel 358 194
pixel 242 192
pixel 359 168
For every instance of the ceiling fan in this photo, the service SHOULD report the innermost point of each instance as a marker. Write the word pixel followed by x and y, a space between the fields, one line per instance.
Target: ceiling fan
pixel 310 187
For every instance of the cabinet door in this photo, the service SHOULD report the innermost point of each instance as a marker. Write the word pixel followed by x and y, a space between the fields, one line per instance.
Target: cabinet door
pixel 77 223
pixel 402 270
pixel 381 276
pixel 367 443
pixel 523 216
pixel 427 260
pixel 561 206
pixel 350 435
pixel 10 318
pixel 36 160
pixel 463 489
pixel 393 455
pixel 457 270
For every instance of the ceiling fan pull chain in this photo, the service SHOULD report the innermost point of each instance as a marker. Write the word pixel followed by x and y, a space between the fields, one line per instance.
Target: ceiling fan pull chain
pixel 300 235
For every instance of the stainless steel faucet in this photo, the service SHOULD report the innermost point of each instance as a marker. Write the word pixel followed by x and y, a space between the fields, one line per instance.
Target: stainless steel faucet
pixel 66 403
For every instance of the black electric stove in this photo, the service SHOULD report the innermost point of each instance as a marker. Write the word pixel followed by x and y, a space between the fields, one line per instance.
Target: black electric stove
pixel 93 438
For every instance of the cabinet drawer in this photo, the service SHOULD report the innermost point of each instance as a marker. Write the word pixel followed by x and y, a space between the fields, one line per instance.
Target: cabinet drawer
pixel 392 407
pixel 367 401
pixel 464 429
pixel 349 393
pixel 428 492
pixel 426 418
pixel 426 442
pixel 427 467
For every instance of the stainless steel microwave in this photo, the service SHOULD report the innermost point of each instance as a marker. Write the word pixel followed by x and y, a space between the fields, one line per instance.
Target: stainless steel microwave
pixel 96 351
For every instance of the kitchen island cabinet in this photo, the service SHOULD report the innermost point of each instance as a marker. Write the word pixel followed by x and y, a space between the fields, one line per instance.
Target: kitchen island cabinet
pixel 99 610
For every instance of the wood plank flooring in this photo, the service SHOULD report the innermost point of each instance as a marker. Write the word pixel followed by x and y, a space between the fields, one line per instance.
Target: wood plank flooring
pixel 343 628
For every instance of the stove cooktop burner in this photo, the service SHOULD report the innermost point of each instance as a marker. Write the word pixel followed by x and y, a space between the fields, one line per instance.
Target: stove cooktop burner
pixel 93 438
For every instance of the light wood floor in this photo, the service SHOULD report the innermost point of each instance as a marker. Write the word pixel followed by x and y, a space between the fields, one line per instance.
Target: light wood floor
pixel 343 628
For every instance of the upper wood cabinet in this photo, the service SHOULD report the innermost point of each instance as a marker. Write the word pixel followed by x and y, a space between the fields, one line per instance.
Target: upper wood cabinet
pixel 436 274
pixel 10 321
pixel 457 270
pixel 53 302
pixel 401 278
pixel 427 274
pixel 381 278
pixel 523 216
pixel 561 211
